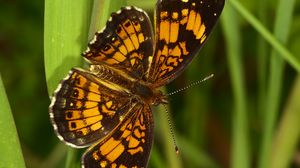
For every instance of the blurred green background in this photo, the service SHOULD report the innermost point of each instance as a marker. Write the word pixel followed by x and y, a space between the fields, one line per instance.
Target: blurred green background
pixel 248 115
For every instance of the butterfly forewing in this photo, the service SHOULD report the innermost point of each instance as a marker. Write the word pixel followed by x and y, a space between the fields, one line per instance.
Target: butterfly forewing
pixel 128 146
pixel 125 43
pixel 182 27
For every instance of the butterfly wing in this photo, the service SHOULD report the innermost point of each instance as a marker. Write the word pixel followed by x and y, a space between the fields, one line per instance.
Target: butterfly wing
pixel 182 27
pixel 85 108
pixel 128 146
pixel 125 43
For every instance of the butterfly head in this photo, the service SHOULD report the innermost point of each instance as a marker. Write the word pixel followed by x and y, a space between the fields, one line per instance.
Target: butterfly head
pixel 159 98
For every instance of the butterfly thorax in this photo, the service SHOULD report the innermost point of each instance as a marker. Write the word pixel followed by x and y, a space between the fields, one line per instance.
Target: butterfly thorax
pixel 149 95
pixel 140 90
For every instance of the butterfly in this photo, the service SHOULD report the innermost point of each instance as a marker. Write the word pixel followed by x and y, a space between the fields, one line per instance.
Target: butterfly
pixel 108 106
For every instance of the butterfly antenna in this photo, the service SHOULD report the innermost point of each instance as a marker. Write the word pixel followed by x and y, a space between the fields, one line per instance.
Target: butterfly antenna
pixel 190 85
pixel 171 130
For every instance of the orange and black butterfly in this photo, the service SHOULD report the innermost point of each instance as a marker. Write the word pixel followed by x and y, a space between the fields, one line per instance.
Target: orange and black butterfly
pixel 107 107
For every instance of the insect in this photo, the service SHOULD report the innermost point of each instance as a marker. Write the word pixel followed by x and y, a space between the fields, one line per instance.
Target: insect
pixel 107 107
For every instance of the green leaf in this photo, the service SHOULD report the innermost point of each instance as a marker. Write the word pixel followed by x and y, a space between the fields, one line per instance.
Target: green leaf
pixel 11 152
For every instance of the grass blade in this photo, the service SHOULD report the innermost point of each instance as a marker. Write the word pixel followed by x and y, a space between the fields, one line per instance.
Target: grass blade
pixel 288 134
pixel 283 17
pixel 11 152
pixel 240 151
pixel 172 160
pixel 145 4
pixel 65 37
pixel 262 59
pixel 192 154
pixel 284 53
pixel 101 12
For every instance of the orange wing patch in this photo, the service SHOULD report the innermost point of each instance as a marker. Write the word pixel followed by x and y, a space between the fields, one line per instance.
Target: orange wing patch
pixel 125 43
pixel 131 141
pixel 182 28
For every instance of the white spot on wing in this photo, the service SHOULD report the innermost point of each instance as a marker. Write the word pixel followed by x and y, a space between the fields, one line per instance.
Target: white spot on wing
pixel 101 30
pixel 53 99
pixel 51 115
pixel 119 11
pixel 93 40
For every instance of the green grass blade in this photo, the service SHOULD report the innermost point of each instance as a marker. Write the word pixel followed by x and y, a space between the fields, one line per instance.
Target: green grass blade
pixel 156 159
pixel 164 134
pixel 288 134
pixel 145 4
pixel 11 152
pixel 65 37
pixel 101 12
pixel 192 154
pixel 283 17
pixel 262 58
pixel 71 161
pixel 284 53
pixel 240 151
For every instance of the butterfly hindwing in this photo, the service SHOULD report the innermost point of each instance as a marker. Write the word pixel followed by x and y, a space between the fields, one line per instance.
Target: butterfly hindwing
pixel 83 110
pixel 128 146
pixel 125 43
pixel 182 27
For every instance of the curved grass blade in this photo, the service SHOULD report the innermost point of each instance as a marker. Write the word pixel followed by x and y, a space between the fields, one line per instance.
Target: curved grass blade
pixel 145 4
pixel 65 37
pixel 101 12
pixel 11 152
